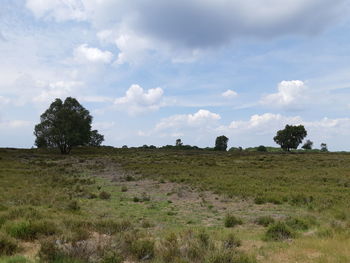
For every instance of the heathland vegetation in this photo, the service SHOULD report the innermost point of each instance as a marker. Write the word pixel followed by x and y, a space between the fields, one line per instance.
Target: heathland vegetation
pixel 176 203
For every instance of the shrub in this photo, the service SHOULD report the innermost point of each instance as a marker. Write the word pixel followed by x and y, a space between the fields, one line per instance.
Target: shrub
pixel 143 249
pixel 110 227
pixel 278 232
pixel 112 257
pixel 8 245
pixel 232 221
pixel 28 230
pixel 105 196
pixel 261 148
pixel 260 200
pixel 231 241
pixel 265 221
pixel 297 224
pixel 73 205
pixel 124 188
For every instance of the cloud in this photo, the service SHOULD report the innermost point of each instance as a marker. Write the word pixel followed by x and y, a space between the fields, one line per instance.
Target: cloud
pixel 201 118
pixel 59 89
pixel 290 94
pixel 4 101
pixel 193 24
pixel 16 124
pixel 60 10
pixel 229 94
pixel 83 53
pixel 137 100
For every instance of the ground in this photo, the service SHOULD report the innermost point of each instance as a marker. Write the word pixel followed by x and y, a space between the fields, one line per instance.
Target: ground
pixel 128 205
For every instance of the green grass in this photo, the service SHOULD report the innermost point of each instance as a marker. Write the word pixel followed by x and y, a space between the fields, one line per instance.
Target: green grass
pixel 183 198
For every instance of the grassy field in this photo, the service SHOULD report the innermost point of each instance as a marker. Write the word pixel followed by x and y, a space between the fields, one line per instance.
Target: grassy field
pixel 133 205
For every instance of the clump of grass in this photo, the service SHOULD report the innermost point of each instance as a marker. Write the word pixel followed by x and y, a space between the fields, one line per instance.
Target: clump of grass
pixel 259 200
pixel 111 227
pixel 124 188
pixel 112 257
pixel 29 230
pixel 265 221
pixel 297 224
pixel 278 232
pixel 104 195
pixel 232 221
pixel 8 246
pixel 143 249
pixel 231 241
pixel 73 206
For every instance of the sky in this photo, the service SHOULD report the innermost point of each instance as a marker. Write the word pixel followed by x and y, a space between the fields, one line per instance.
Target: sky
pixel 153 71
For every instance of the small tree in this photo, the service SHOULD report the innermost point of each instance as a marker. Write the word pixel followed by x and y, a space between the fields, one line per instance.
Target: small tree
pixel 290 137
pixel 307 145
pixel 95 138
pixel 178 143
pixel 221 143
pixel 65 125
pixel 261 148
pixel 324 147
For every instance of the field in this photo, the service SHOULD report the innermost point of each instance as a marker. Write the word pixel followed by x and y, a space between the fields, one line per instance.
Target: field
pixel 132 205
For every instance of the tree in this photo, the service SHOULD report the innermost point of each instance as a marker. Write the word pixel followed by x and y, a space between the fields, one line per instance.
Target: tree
pixel 221 143
pixel 324 147
pixel 95 138
pixel 178 143
pixel 261 148
pixel 65 125
pixel 290 137
pixel 307 145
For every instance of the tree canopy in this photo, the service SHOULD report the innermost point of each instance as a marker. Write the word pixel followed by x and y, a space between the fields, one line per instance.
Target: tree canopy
pixel 290 137
pixel 221 143
pixel 65 125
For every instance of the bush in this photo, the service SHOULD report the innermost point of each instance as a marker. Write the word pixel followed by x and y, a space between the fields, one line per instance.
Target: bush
pixel 231 241
pixel 73 205
pixel 261 148
pixel 265 221
pixel 297 224
pixel 232 221
pixel 8 245
pixel 124 188
pixel 28 230
pixel 110 227
pixel 278 232
pixel 260 200
pixel 105 196
pixel 143 249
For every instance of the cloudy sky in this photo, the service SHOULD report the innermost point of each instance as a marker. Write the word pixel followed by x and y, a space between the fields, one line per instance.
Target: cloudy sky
pixel 152 71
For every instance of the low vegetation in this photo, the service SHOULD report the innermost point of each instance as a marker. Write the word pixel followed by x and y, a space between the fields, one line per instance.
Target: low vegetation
pixel 151 205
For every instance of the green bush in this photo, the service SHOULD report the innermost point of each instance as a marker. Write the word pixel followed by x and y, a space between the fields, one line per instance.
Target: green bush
pixel 231 241
pixel 104 195
pixel 278 232
pixel 28 230
pixel 143 249
pixel 8 245
pixel 297 224
pixel 265 221
pixel 110 227
pixel 232 221
pixel 73 205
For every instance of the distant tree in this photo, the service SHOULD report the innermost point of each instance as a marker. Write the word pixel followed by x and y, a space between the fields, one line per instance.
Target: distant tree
pixel 324 147
pixel 261 148
pixel 221 143
pixel 125 147
pixel 95 138
pixel 290 137
pixel 307 145
pixel 178 142
pixel 65 125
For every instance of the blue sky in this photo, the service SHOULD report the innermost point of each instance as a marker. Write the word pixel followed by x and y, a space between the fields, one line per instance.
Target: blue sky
pixel 152 71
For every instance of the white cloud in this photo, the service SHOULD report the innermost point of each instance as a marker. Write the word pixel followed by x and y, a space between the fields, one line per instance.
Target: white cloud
pixel 229 94
pixel 60 10
pixel 290 94
pixel 15 124
pixel 173 26
pixel 83 53
pixel 201 118
pixel 4 101
pixel 59 89
pixel 137 100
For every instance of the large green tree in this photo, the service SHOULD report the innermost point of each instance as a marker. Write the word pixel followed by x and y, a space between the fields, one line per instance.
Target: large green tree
pixel 221 143
pixel 65 125
pixel 290 137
